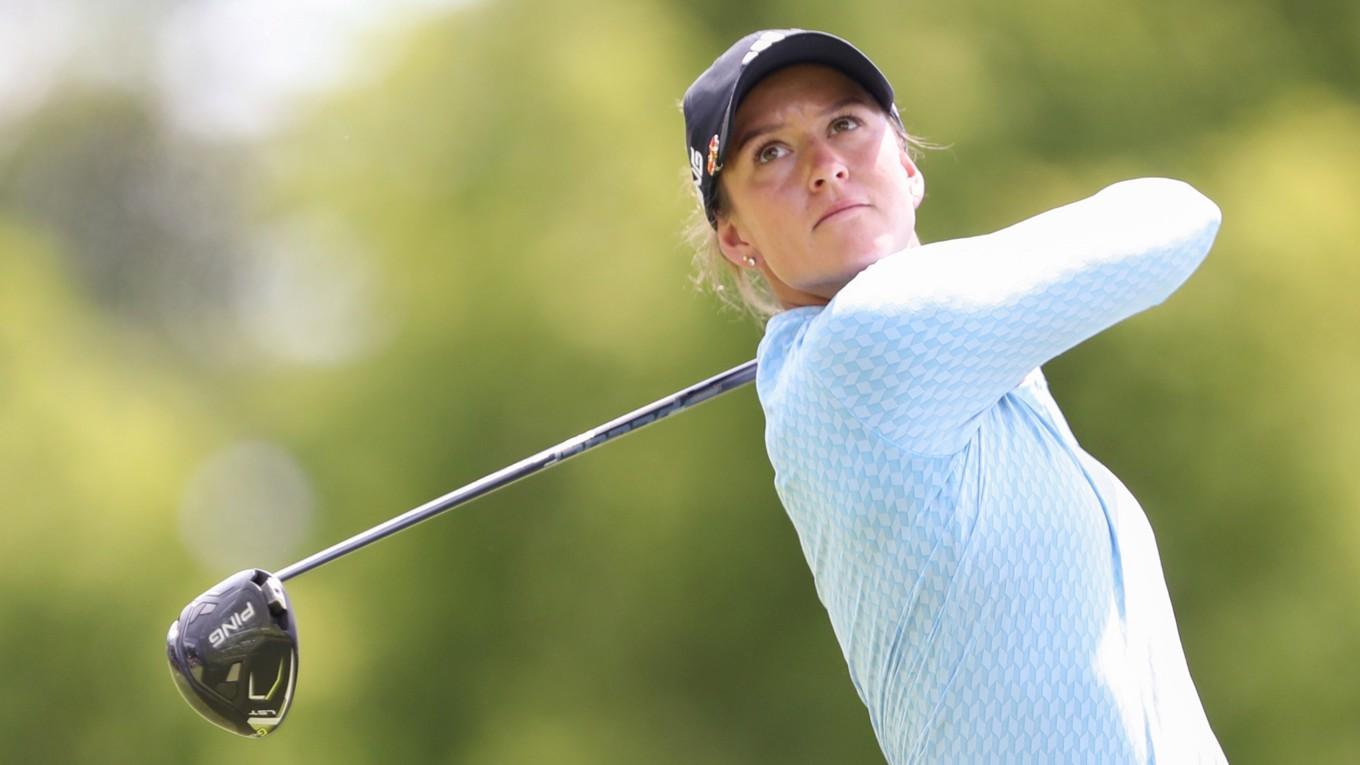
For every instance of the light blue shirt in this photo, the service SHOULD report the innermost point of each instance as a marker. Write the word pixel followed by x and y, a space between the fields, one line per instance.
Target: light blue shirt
pixel 996 591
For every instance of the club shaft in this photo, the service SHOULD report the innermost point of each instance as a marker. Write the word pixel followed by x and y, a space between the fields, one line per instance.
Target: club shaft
pixel 677 402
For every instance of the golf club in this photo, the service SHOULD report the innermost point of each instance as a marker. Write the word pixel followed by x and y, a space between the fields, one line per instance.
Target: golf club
pixel 233 651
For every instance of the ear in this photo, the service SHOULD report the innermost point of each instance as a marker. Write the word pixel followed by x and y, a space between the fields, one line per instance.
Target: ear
pixel 916 180
pixel 733 242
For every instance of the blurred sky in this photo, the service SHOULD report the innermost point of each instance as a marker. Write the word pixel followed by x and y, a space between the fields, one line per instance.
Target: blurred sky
pixel 220 70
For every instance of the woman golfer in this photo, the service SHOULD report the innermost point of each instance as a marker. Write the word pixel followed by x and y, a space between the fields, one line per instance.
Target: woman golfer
pixel 996 591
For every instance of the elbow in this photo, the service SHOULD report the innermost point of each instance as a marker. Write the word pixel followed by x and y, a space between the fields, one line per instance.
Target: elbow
pixel 1196 211
pixel 1176 204
pixel 1169 212
pixel 1199 218
pixel 1174 225
pixel 1192 221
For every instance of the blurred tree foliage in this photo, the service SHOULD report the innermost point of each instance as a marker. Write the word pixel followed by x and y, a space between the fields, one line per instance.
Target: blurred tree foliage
pixel 500 197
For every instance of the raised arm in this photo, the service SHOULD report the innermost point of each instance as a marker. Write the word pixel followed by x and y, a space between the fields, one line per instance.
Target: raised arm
pixel 922 342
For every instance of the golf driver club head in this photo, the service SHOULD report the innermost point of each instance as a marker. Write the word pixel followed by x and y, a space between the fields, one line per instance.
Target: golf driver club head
pixel 233 653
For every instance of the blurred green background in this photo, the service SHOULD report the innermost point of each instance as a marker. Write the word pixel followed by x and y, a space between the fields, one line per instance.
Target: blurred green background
pixel 270 275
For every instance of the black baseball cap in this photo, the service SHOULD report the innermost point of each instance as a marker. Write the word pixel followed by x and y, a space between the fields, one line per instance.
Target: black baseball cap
pixel 712 101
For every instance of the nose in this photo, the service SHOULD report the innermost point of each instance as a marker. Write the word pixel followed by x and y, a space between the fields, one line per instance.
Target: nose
pixel 828 168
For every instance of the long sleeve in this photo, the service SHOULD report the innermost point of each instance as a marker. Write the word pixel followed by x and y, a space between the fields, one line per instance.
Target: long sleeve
pixel 921 343
pixel 996 591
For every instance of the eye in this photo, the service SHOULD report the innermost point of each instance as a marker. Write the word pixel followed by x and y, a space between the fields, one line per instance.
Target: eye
pixel 770 152
pixel 845 122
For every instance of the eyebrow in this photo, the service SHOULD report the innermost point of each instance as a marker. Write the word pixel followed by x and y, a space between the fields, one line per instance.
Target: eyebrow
pixel 755 132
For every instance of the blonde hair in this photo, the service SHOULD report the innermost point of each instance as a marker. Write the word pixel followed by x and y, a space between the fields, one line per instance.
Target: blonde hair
pixel 745 289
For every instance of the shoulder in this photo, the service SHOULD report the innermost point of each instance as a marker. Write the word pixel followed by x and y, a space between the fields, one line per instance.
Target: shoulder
pixel 780 350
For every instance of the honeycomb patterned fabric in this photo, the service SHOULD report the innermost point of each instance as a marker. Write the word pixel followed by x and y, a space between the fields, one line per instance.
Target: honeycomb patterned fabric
pixel 996 591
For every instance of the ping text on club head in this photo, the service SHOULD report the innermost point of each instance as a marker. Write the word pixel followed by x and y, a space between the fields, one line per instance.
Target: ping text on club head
pixel 232 625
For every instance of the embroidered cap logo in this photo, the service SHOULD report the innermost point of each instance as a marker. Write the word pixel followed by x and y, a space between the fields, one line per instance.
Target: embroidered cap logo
pixel 761 43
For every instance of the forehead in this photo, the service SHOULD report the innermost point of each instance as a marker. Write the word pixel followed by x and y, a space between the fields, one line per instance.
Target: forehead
pixel 795 88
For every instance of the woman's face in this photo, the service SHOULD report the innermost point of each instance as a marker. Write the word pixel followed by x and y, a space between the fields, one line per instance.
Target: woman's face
pixel 816 185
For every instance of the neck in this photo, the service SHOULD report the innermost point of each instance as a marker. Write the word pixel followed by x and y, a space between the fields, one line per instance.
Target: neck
pixel 789 297
pixel 792 297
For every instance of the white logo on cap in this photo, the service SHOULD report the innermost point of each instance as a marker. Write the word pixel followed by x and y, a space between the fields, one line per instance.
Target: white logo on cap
pixel 764 41
pixel 696 169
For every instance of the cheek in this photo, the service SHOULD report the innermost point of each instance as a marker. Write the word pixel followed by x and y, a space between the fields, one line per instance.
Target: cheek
pixel 897 187
pixel 770 221
pixel 754 202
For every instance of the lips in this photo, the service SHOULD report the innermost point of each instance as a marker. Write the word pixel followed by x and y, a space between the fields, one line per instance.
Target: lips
pixel 837 209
